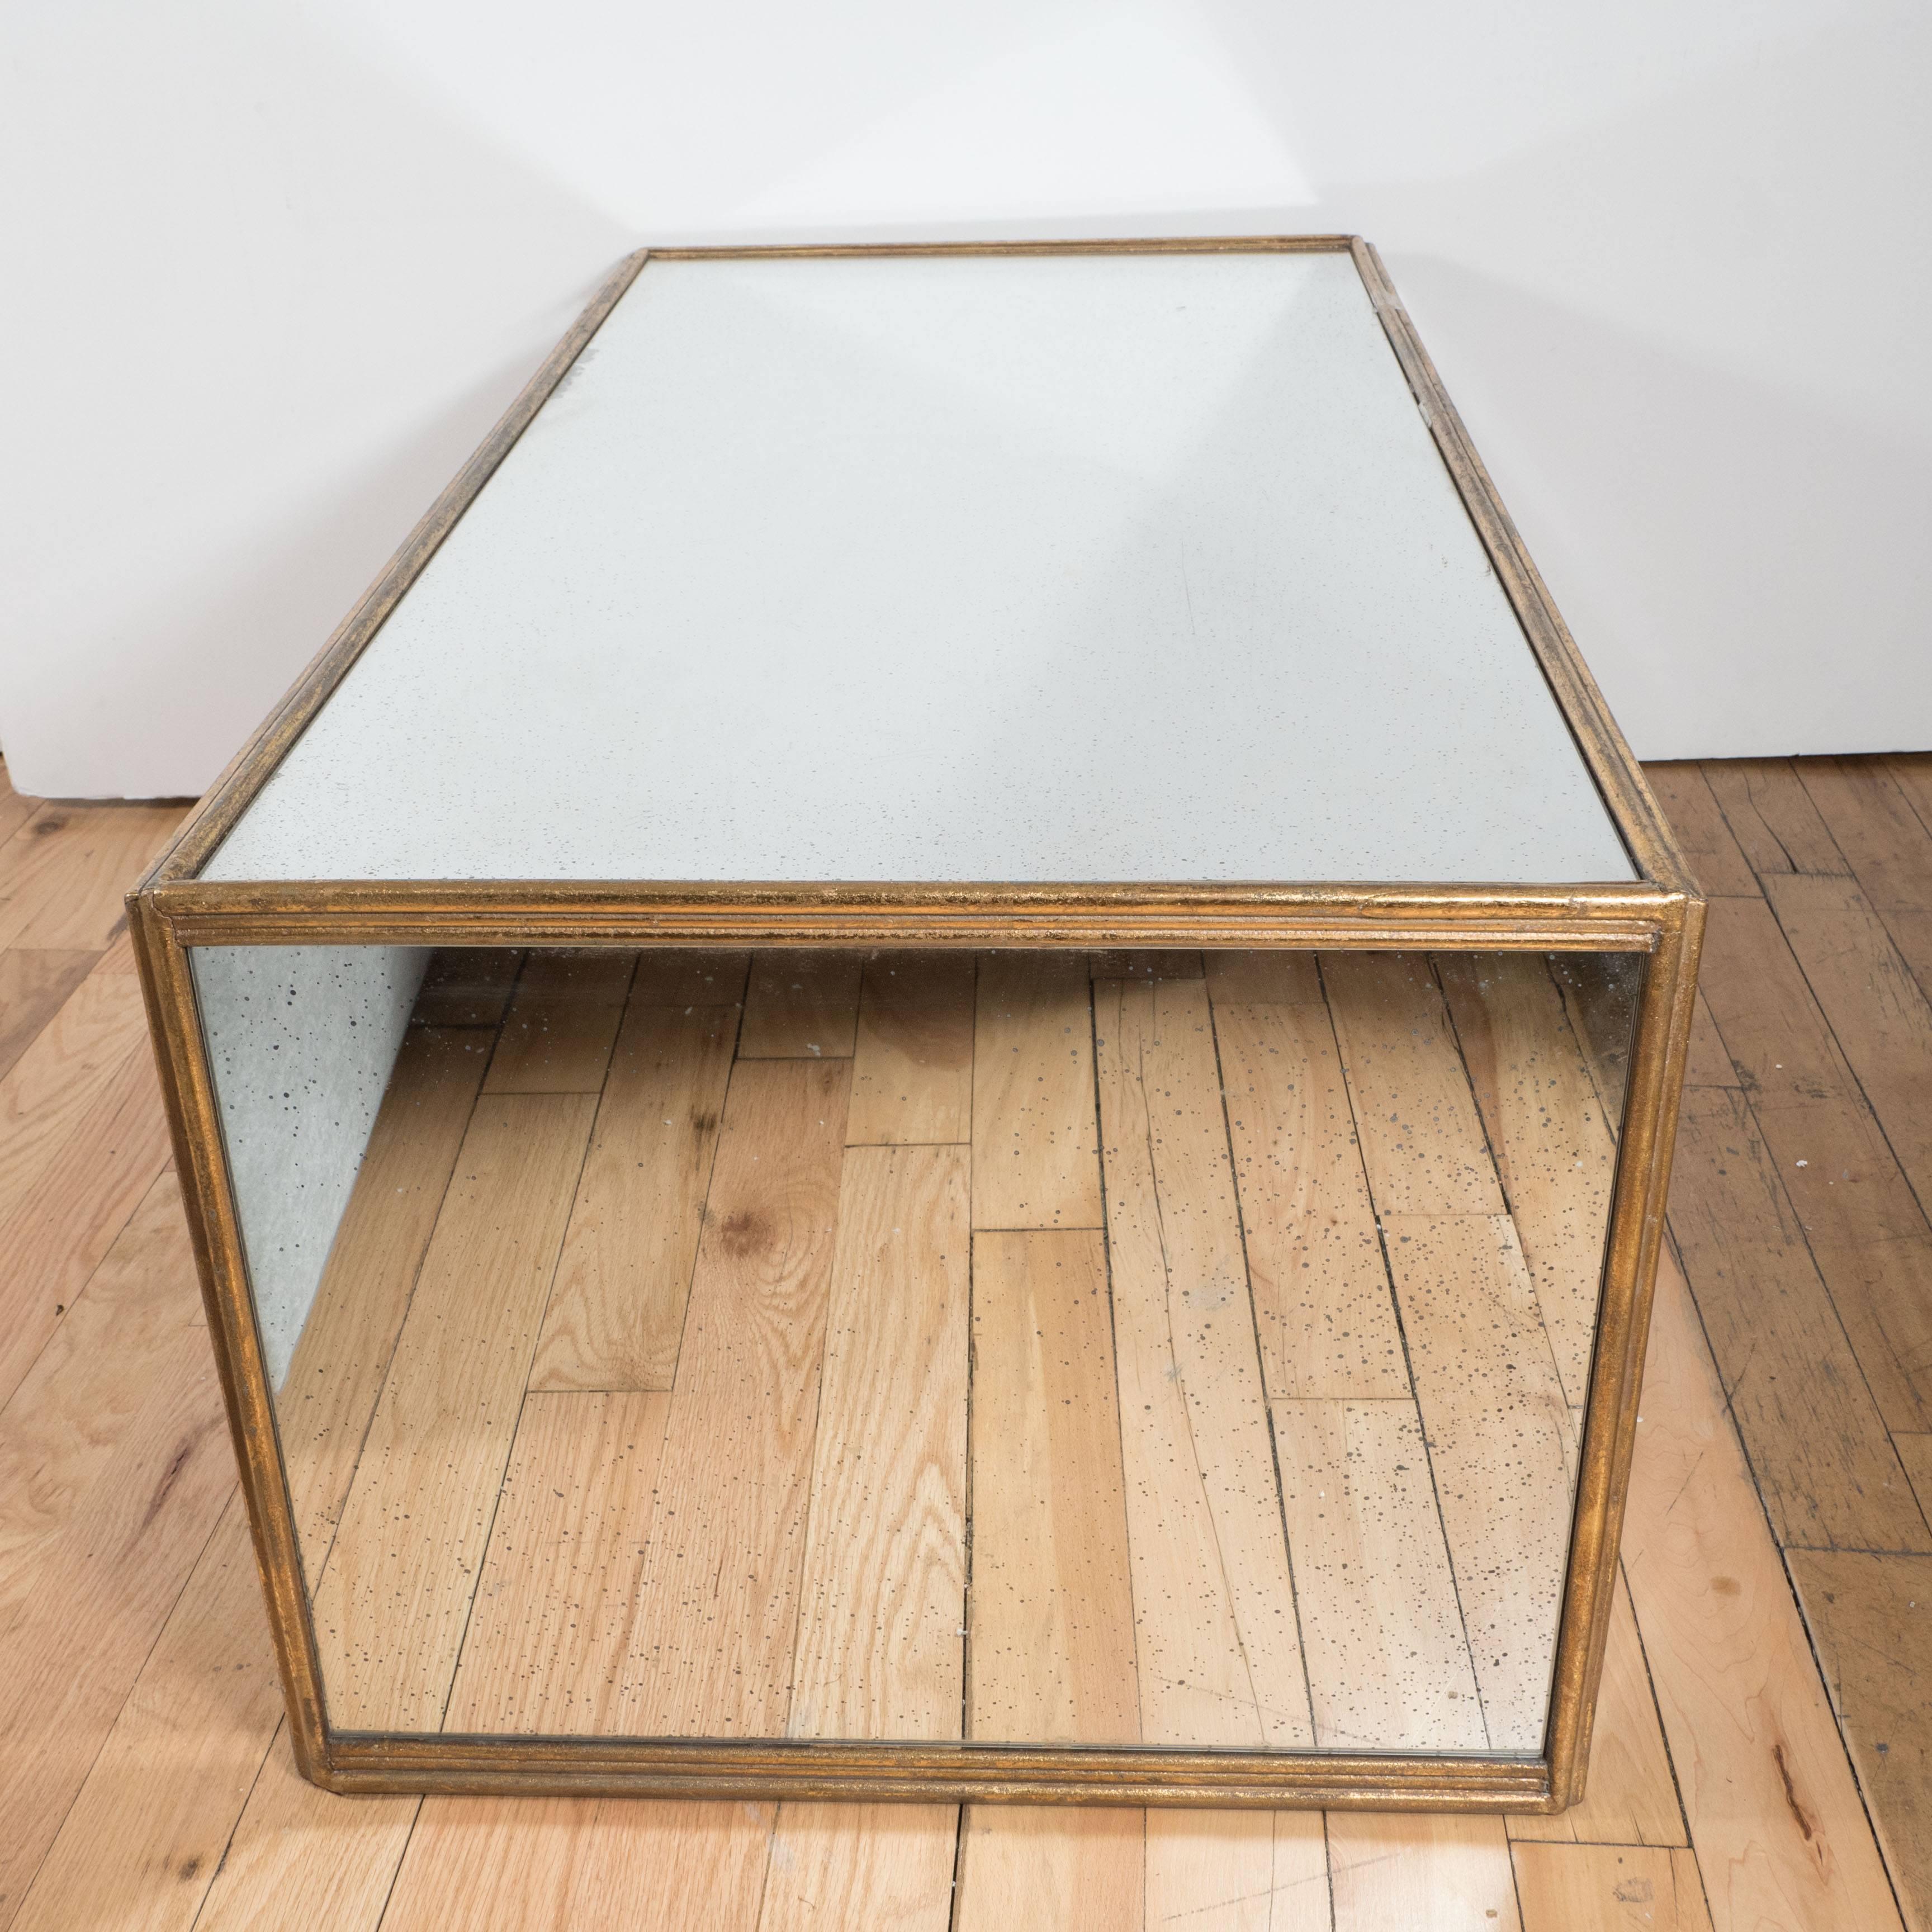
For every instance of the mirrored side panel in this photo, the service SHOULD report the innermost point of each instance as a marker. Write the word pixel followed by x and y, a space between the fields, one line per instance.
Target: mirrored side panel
pixel 1171 1348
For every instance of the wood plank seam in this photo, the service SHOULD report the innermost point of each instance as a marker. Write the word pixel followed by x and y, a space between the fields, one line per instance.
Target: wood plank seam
pixel 1650 1684
pixel 395 1341
pixel 1261 1353
pixel 1408 1362
pixel 972 1379
pixel 1783 846
pixel 1925 1205
pixel 1831 1301
pixel 1107 1264
pixel 1835 1704
pixel 1489 1131
pixel 1750 1106
pixel 1170 1258
pixel 1770 1528
pixel 594 1148
pixel 522 1399
pixel 1671 1244
pixel 106 1735
pixel 1835 1699
pixel 402 1859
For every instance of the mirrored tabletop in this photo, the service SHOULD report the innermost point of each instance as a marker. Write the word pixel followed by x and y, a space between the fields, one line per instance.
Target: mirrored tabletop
pixel 1073 568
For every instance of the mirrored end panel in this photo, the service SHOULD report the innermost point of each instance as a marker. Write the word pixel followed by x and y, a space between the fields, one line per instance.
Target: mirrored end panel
pixel 1155 1349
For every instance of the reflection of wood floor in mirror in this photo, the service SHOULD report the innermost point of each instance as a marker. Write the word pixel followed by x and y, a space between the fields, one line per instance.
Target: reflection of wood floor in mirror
pixel 146 1778
pixel 1025 1347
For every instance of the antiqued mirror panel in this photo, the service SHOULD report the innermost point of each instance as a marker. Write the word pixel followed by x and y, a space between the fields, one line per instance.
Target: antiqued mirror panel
pixel 1171 1348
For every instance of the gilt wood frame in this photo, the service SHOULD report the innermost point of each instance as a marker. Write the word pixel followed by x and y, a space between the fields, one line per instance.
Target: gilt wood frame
pixel 1659 913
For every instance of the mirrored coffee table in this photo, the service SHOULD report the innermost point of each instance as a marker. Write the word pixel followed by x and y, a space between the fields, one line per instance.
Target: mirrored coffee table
pixel 938 1060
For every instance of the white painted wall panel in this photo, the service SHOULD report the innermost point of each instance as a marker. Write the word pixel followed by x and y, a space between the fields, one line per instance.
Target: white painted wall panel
pixel 274 269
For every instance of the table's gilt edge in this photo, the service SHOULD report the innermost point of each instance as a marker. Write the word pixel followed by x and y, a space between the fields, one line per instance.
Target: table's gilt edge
pixel 1633 810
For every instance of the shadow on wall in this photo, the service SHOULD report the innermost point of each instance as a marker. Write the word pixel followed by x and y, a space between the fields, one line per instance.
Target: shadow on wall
pixel 1718 544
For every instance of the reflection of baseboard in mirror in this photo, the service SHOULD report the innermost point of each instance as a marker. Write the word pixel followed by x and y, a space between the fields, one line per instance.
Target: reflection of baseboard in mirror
pixel 656 1389
pixel 938 1061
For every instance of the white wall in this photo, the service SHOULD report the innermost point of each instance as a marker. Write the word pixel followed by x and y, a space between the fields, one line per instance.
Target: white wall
pixel 272 270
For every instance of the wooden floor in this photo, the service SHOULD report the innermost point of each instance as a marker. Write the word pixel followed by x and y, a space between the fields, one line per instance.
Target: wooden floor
pixel 1773 1526
pixel 1030 1347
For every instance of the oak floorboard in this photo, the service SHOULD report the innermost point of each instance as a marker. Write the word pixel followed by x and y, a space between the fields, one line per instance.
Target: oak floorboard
pixel 1254 978
pixel 302 1858
pixel 55 1083
pixel 1729 1809
pixel 1211 1871
pixel 852 1868
pixel 1036 1159
pixel 1911 772
pixel 1051 1606
pixel 882 1598
pixel 484 1865
pixel 17 848
pixel 1771 815
pixel 1554 1152
pixel 1907 915
pixel 1608 1888
pixel 1707 1063
pixel 1880 812
pixel 1151 963
pixel 15 810
pixel 1818 1445
pixel 1214 1612
pixel 1324 1312
pixel 466 986
pixel 1388 1660
pixel 1497 1429
pixel 335 1374
pixel 1051 1656
pixel 1870 1620
pixel 149 1829
pixel 1866 1228
pixel 64 1427
pixel 1300 1901
pixel 1717 863
pixel 1881 1017
pixel 1422 1140
pixel 65 889
pixel 1886 845
pixel 801 1004
pixel 562 1022
pixel 1631 1796
pixel 34 986
pixel 712 1648
pixel 912 1067
pixel 1421 1872
pixel 1774 1817
pixel 1028 1869
pixel 551 1622
pixel 1599 994
pixel 481 1864
pixel 67 1220
pixel 616 1314
pixel 1916 1453
pixel 393 1600
pixel 690 975
pixel 100 1591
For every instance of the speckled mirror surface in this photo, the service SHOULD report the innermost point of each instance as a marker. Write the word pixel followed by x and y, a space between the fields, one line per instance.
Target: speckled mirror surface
pixel 1115 568
pixel 1177 1348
